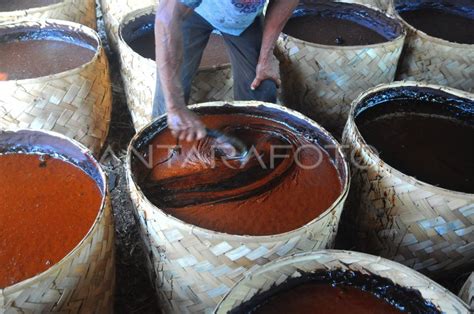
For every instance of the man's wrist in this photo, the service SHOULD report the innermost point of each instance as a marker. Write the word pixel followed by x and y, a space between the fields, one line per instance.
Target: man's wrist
pixel 176 106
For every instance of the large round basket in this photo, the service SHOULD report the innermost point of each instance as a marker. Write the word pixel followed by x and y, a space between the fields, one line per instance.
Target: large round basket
pixel 139 74
pixel 76 103
pixel 399 217
pixel 467 292
pixel 434 60
pixel 321 80
pixel 79 11
pixel 276 272
pixel 83 281
pixel 194 267
pixel 115 10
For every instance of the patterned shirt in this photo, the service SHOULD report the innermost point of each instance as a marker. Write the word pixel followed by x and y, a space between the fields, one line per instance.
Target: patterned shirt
pixel 228 16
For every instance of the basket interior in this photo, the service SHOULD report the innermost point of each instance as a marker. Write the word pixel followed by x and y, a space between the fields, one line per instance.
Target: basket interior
pixel 294 123
pixel 31 50
pixel 139 35
pixel 402 298
pixel 435 102
pixel 422 132
pixel 9 5
pixel 389 29
pixel 31 142
pixel 228 188
pixel 450 20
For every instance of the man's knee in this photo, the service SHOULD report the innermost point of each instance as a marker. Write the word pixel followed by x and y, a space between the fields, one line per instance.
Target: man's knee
pixel 266 92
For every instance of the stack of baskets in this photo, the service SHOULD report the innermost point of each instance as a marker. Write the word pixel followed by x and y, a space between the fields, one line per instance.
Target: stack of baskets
pixel 397 217
pixel 76 103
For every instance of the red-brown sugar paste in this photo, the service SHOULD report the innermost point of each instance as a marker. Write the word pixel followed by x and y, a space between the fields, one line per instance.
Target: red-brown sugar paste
pixel 196 185
pixel 47 206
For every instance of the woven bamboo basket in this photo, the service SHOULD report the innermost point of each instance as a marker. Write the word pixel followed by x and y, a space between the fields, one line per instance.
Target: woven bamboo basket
pixel 278 271
pixel 434 60
pixel 321 80
pixel 83 281
pixel 195 267
pixel 79 11
pixel 115 10
pixel 399 217
pixel 76 103
pixel 467 292
pixel 139 74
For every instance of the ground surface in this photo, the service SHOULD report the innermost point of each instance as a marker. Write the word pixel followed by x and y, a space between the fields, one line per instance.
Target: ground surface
pixel 134 292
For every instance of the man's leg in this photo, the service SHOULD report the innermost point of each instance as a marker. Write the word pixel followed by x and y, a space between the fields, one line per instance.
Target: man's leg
pixel 244 52
pixel 196 32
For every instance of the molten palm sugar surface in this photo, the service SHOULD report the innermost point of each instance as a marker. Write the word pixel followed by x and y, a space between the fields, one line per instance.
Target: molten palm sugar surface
pixel 24 59
pixel 254 197
pixel 333 31
pixel 12 5
pixel 47 206
pixel 442 24
pixel 433 148
pixel 325 299
pixel 214 54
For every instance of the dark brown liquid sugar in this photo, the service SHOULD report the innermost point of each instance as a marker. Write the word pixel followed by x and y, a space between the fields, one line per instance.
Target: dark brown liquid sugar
pixel 13 5
pixel 338 292
pixel 331 31
pixel 433 147
pixel 262 196
pixel 442 24
pixel 215 53
pixel 24 59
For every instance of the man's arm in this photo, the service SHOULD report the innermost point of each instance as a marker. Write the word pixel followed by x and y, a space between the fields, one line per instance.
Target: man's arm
pixel 169 58
pixel 278 13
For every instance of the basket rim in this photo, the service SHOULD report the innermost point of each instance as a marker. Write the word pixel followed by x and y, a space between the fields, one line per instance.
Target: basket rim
pixel 54 22
pixel 24 12
pixel 130 17
pixel 243 238
pixel 420 33
pixel 100 214
pixel 375 160
pixel 343 255
pixel 401 37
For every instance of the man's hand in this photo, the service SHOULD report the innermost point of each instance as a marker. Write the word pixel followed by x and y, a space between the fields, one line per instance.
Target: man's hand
pixel 185 124
pixel 278 13
pixel 268 69
pixel 3 76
